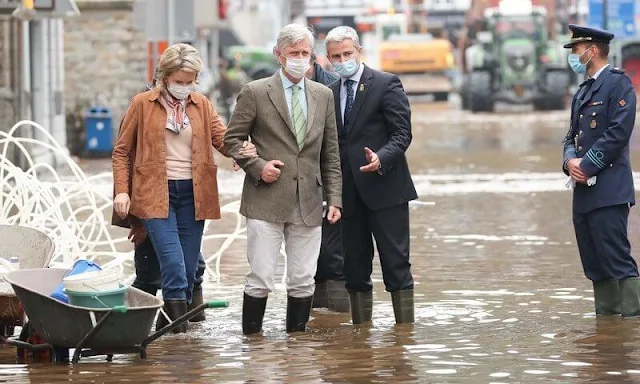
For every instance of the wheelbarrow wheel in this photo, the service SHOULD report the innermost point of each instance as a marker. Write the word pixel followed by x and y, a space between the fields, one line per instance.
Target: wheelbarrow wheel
pixel 21 353
pixel 36 352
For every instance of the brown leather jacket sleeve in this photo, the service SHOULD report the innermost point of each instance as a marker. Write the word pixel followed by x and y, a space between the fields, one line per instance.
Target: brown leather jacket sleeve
pixel 121 157
pixel 217 130
pixel 130 220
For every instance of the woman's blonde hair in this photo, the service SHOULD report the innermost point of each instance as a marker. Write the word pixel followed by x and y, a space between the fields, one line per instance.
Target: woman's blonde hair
pixel 178 57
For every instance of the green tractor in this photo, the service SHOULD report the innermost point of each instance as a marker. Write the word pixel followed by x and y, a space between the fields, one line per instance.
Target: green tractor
pixel 256 62
pixel 515 61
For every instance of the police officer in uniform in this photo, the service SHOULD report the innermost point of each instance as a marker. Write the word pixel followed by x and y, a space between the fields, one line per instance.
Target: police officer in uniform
pixel 596 157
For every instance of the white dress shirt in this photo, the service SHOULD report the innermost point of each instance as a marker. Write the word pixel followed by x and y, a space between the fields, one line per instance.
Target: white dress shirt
pixel 343 89
pixel 288 94
pixel 595 75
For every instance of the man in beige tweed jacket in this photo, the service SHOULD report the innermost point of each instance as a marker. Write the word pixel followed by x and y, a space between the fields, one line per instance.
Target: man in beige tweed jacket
pixel 291 121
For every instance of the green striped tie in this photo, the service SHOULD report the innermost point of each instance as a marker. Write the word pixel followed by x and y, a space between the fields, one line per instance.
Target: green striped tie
pixel 299 121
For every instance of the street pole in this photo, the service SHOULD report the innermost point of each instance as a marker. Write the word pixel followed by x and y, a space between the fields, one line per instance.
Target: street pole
pixel 605 11
pixel 171 8
pixel 40 83
pixel 25 72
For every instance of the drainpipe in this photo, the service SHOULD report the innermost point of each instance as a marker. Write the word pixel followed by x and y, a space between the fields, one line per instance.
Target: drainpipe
pixel 40 81
pixel 171 27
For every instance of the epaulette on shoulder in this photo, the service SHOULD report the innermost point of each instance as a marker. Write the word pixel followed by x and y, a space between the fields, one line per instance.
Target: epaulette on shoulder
pixel 617 70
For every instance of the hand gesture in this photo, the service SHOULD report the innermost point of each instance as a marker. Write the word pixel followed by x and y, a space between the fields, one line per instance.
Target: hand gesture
pixel 122 204
pixel 270 172
pixel 248 149
pixel 333 215
pixel 576 172
pixel 373 161
pixel 137 235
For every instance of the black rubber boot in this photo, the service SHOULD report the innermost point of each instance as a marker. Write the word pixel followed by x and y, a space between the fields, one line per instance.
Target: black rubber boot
pixel 361 306
pixel 252 314
pixel 298 309
pixel 630 292
pixel 320 296
pixel 403 306
pixel 338 296
pixel 196 299
pixel 606 297
pixel 174 309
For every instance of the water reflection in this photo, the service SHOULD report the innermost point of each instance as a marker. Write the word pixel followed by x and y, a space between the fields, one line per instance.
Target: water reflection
pixel 500 294
pixel 608 354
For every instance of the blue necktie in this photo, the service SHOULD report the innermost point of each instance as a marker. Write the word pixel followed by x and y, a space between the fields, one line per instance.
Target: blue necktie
pixel 587 86
pixel 349 104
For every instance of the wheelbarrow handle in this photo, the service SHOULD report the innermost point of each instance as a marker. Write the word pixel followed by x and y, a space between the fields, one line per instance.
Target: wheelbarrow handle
pixel 119 309
pixel 218 304
pixel 167 328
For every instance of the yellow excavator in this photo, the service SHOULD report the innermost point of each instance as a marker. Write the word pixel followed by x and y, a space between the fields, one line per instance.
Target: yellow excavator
pixel 423 63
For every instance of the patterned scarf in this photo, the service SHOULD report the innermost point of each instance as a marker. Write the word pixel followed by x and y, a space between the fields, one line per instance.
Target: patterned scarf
pixel 177 118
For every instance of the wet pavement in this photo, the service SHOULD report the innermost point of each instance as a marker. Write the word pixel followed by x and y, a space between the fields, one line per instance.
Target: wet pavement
pixel 500 294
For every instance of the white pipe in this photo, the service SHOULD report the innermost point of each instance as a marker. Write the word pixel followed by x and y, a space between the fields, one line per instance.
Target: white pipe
pixel 74 210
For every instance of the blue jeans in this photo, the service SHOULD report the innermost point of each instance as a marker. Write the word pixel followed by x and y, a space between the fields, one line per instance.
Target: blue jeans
pixel 177 241
pixel 148 269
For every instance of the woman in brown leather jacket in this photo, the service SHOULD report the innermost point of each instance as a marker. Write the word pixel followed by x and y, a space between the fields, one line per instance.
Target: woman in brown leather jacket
pixel 164 171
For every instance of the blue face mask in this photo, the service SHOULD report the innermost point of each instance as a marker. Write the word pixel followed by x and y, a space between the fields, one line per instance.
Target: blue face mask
pixel 347 68
pixel 576 65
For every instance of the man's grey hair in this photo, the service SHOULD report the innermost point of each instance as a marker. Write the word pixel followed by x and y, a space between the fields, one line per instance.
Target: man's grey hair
pixel 293 34
pixel 340 34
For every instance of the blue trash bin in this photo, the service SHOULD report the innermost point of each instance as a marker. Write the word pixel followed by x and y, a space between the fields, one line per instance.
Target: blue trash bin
pixel 98 130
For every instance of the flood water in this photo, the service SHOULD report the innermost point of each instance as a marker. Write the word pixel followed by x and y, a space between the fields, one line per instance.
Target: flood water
pixel 500 293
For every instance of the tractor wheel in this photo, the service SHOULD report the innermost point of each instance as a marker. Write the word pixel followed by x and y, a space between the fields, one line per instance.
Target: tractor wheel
pixel 464 93
pixel 480 92
pixel 556 83
pixel 441 96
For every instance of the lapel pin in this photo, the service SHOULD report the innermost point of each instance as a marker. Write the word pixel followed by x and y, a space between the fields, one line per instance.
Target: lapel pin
pixel 362 87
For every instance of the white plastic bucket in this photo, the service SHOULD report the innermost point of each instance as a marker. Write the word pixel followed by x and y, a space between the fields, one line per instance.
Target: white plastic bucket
pixel 94 281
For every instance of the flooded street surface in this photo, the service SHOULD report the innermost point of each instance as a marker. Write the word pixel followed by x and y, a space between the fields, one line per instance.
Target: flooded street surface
pixel 500 294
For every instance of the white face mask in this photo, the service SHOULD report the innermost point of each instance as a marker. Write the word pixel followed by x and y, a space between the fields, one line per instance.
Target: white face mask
pixel 180 92
pixel 297 67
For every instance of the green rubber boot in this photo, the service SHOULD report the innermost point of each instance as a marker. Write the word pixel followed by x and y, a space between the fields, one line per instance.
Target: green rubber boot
pixel 361 306
pixel 321 296
pixel 403 306
pixel 630 292
pixel 607 297
pixel 338 296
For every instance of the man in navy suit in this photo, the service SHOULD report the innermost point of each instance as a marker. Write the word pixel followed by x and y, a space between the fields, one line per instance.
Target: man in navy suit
pixel 330 289
pixel 374 132
pixel 596 157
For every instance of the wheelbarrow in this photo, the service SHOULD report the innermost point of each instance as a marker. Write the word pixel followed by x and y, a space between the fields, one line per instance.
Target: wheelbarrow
pixel 34 249
pixel 90 331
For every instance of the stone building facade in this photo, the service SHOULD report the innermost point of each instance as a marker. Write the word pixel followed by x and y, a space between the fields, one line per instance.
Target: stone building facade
pixel 105 57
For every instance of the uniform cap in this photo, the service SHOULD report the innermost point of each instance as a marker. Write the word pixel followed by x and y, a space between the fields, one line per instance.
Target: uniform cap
pixel 581 34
